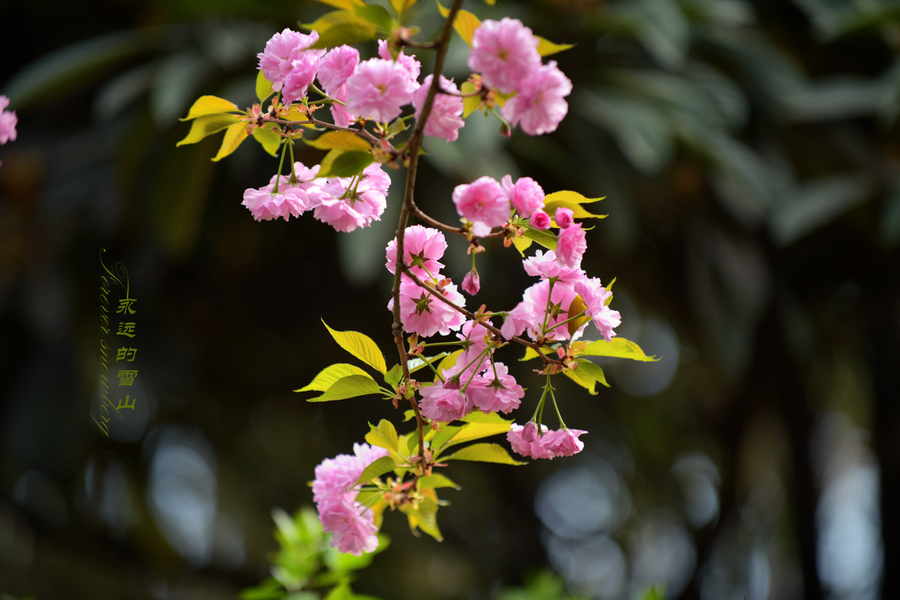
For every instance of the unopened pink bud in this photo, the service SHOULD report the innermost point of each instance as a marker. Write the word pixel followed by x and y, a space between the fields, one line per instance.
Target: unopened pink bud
pixel 471 282
pixel 539 220
pixel 564 217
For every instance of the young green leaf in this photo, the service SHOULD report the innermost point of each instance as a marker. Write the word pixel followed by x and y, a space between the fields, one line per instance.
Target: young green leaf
pixel 586 366
pixel 351 386
pixel 546 47
pixel 330 375
pixel 234 135
pixel 263 87
pixel 544 238
pixel 436 481
pixel 400 6
pixel 465 23
pixel 393 377
pixel 576 308
pixel 269 138
pixel 492 453
pixel 425 516
pixel 384 436
pixel 346 4
pixel 210 105
pixel 208 125
pixel 361 346
pixel 572 200
pixel 383 465
pixel 377 16
pixel 342 27
pixel 617 347
pixel 341 140
pixel 345 163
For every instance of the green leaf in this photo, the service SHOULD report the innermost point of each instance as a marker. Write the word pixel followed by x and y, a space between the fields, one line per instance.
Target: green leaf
pixel 330 375
pixel 617 347
pixel 210 105
pixel 383 465
pixel 417 363
pixel 268 138
pixel 532 353
pixel 465 23
pixel 436 481
pixel 577 307
pixel 546 47
pixel 207 125
pixel 443 436
pixel 572 200
pixel 425 516
pixel 345 163
pixel 491 453
pixel 234 136
pixel 347 4
pixel 361 346
pixel 393 377
pixel 263 87
pixel 470 103
pixel 586 366
pixel 341 140
pixel 584 376
pixel 340 592
pixel 342 27
pixel 351 386
pixel 377 16
pixel 401 6
pixel 384 436
pixel 544 238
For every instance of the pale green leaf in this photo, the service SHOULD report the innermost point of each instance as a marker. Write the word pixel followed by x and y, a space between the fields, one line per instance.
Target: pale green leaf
pixel 345 4
pixel 341 140
pixel 546 47
pixel 234 135
pixel 341 27
pixel 470 103
pixel 383 465
pixel 210 105
pixel 393 377
pixel 207 125
pixel 587 375
pixel 361 346
pixel 465 23
pixel 377 16
pixel 351 386
pixel 617 347
pixel 345 163
pixel 340 592
pixel 263 87
pixel 476 431
pixel 384 436
pixel 572 200
pixel 491 453
pixel 331 375
pixel 577 307
pixel 532 353
pixel 425 516
pixel 522 244
pixel 268 138
pixel 544 238
pixel 400 6
pixel 586 366
pixel 436 481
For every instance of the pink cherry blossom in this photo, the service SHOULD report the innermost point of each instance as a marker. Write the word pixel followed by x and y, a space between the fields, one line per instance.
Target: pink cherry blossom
pixel 522 317
pixel 409 63
pixel 475 337
pixel 445 119
pixel 595 297
pixel 8 122
pixel 424 314
pixel 484 203
pixel 445 401
pixel 563 442
pixel 539 220
pixel 337 66
pixel 301 75
pixel 539 106
pixel 422 249
pixel 265 204
pixel 526 195
pixel 570 246
pixel 504 52
pixel 564 217
pixel 378 89
pixel 527 440
pixel 544 265
pixel 497 394
pixel 346 205
pixel 281 51
pixel 353 527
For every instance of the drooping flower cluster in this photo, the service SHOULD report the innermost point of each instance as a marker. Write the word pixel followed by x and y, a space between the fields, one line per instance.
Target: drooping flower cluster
pixel 353 526
pixel 505 53
pixel 475 382
pixel 545 311
pixel 422 312
pixel 8 122
pixel 345 203
pixel 487 204
pixel 532 442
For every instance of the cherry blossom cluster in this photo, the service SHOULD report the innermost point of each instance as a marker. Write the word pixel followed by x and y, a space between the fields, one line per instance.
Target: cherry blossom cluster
pixel 8 122
pixel 352 524
pixel 345 203
pixel 505 53
pixel 534 442
pixel 486 204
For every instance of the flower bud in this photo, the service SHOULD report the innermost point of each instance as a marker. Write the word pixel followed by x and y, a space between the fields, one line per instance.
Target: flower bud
pixel 564 217
pixel 539 220
pixel 471 282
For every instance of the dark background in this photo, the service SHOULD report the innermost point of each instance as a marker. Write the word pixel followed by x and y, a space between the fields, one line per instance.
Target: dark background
pixel 749 154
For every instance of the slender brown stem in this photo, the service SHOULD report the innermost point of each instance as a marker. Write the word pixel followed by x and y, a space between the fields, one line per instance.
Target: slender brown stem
pixel 415 143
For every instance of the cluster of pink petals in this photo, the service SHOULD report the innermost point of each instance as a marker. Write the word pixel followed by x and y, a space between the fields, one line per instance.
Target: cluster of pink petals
pixel 529 441
pixel 482 202
pixel 8 122
pixel 427 315
pixel 595 298
pixel 344 203
pixel 505 53
pixel 525 195
pixel 352 525
pixel 379 88
pixel 289 64
pixel 423 248
pixel 335 69
pixel 445 119
pixel 475 382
